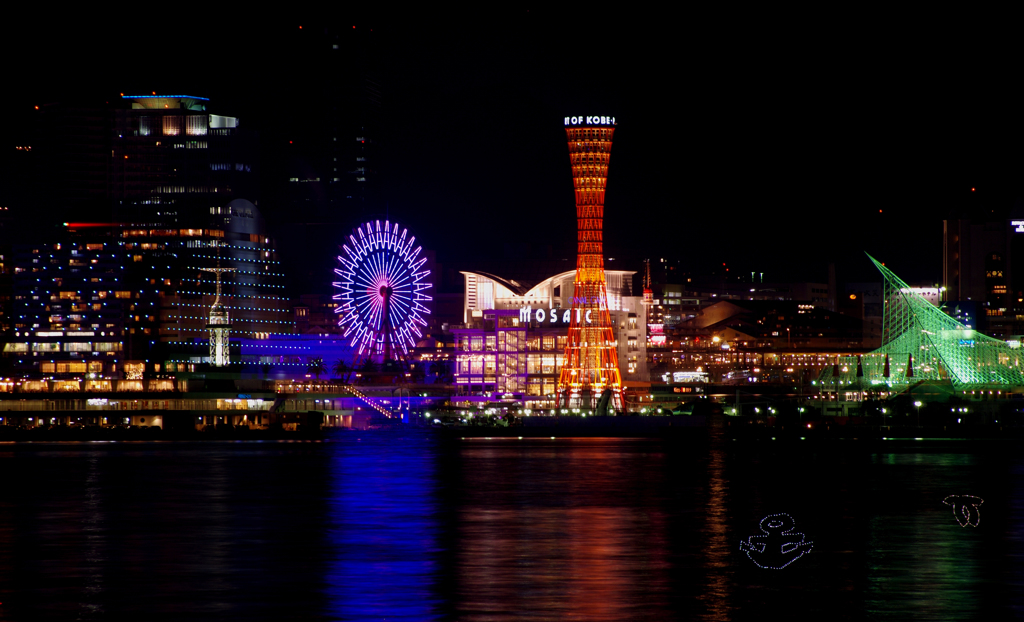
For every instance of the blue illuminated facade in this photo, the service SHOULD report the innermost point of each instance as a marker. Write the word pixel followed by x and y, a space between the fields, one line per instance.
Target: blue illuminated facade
pixel 106 296
pixel 154 96
pixel 73 310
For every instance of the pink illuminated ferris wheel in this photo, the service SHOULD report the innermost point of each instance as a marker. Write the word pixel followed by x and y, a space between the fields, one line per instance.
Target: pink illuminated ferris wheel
pixel 382 290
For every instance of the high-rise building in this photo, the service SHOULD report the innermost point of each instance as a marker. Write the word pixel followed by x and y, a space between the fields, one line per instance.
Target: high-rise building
pixel 978 275
pixel 136 158
pixel 173 198
pixel 72 302
pixel 107 302
pixel 328 157
pixel 974 260
pixel 253 293
pixel 172 159
pixel 331 152
pixel 591 363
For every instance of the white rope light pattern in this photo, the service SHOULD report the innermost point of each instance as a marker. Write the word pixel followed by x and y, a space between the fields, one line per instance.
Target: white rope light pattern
pixel 966 509
pixel 778 546
pixel 376 257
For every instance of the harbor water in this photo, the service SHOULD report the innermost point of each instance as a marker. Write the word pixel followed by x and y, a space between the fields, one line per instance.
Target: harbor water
pixel 419 526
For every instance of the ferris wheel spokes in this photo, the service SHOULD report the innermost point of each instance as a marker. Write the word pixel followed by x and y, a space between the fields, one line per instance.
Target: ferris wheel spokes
pixel 381 289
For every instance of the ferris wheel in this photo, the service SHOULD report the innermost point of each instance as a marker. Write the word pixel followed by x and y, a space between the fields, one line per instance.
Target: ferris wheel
pixel 382 289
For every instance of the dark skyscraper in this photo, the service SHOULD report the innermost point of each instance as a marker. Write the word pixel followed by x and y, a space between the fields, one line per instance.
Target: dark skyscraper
pixel 327 153
pixel 331 154
pixel 143 159
pixel 172 160
pixel 146 191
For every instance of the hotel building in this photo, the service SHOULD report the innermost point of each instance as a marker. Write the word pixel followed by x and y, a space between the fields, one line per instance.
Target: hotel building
pixel 131 301
pixel 172 159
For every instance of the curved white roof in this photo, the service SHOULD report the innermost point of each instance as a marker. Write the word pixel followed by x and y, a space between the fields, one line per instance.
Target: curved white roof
pixel 485 291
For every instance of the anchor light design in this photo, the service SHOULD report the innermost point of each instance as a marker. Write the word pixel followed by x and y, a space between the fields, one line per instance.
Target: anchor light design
pixel 779 547
pixel 965 509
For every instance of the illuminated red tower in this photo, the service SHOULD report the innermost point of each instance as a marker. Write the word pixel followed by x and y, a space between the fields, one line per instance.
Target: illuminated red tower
pixel 591 364
pixel 648 292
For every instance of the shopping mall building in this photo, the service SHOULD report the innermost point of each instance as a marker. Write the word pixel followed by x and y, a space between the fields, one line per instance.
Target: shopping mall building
pixel 514 337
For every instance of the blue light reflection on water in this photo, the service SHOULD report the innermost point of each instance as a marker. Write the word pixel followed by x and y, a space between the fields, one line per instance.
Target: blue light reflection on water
pixel 382 530
pixel 410 528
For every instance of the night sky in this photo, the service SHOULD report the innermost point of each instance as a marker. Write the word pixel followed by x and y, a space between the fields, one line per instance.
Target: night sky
pixel 774 143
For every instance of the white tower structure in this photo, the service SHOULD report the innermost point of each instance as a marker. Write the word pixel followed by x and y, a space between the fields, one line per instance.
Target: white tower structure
pixel 219 324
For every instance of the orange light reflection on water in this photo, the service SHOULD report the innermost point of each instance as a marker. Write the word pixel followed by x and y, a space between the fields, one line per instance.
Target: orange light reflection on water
pixel 579 554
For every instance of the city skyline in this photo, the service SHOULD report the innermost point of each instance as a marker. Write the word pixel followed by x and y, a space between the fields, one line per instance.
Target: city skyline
pixel 781 162
pixel 742 367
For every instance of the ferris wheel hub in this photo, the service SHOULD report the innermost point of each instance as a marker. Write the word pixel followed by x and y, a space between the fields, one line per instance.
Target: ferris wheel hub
pixel 382 297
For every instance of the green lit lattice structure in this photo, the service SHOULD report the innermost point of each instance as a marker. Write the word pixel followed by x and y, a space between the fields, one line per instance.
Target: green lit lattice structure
pixel 920 342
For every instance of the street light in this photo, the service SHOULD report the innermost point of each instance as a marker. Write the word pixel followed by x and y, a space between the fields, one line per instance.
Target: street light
pixel 918 404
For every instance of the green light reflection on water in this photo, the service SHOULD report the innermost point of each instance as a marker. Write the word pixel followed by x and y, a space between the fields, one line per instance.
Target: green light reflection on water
pixel 920 563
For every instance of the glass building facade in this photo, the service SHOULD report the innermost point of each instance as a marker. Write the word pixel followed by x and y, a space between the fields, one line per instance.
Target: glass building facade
pixel 514 337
